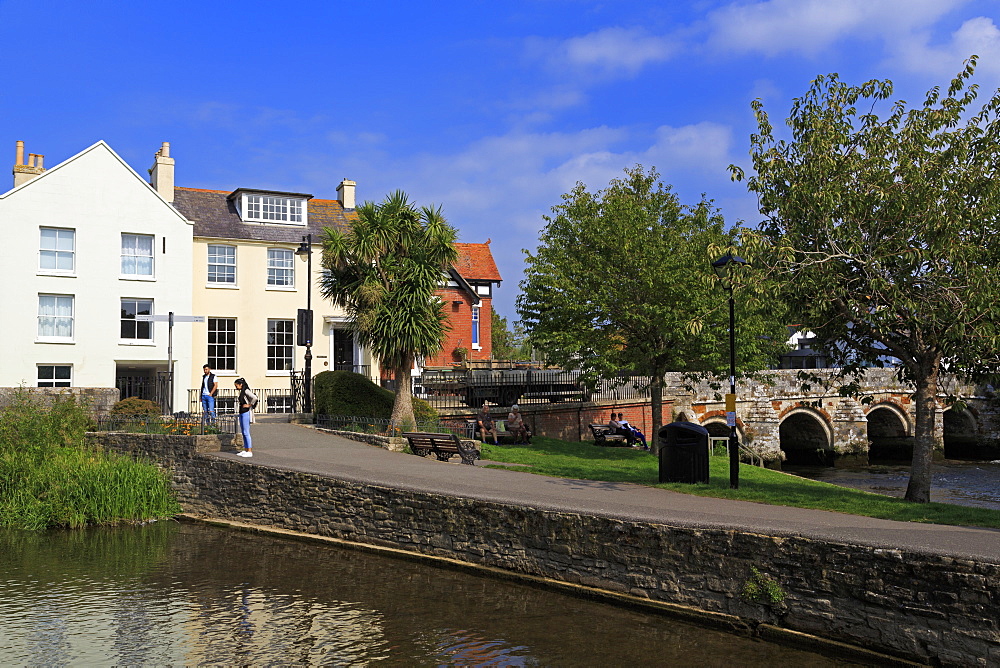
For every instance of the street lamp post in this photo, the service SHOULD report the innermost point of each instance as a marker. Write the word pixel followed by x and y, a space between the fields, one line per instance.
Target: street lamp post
pixel 306 322
pixel 723 268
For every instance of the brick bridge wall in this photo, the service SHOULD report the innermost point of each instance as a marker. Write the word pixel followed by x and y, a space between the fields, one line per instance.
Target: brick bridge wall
pixel 922 607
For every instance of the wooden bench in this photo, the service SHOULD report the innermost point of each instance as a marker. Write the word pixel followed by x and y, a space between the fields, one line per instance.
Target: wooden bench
pixel 603 436
pixel 443 446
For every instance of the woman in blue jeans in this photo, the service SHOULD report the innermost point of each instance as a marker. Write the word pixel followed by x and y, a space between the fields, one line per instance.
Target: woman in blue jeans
pixel 246 401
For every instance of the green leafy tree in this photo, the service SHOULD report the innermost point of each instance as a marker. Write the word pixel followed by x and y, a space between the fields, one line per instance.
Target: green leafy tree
pixel 384 271
pixel 882 233
pixel 509 344
pixel 621 281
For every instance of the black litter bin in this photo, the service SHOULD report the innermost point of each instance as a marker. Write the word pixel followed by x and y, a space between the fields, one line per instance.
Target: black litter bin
pixel 683 453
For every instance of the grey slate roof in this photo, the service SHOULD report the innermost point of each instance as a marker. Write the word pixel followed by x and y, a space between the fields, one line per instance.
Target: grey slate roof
pixel 215 216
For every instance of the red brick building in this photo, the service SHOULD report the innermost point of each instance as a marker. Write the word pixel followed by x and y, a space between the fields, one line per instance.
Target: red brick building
pixel 468 303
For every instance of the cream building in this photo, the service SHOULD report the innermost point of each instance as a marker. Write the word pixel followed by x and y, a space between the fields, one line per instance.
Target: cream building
pixel 249 284
pixel 90 245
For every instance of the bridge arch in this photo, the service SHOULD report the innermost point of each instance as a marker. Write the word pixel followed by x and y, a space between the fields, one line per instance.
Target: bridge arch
pixel 806 438
pixel 960 430
pixel 890 432
pixel 717 427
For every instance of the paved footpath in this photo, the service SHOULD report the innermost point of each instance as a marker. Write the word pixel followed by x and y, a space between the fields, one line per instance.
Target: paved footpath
pixel 301 448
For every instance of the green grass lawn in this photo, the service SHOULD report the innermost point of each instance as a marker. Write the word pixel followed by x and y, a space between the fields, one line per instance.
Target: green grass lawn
pixel 561 459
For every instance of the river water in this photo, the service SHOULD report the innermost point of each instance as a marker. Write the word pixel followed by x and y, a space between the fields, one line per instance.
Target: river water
pixel 186 594
pixel 963 483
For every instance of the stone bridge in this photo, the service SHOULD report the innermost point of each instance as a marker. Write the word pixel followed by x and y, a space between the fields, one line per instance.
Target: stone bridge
pixel 781 421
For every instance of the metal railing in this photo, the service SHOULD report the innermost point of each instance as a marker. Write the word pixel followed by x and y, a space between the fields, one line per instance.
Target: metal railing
pixel 470 388
pixel 155 388
pixel 717 444
pixel 385 427
pixel 179 425
pixel 282 400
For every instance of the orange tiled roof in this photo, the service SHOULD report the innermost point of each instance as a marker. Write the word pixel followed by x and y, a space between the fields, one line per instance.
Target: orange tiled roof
pixel 475 263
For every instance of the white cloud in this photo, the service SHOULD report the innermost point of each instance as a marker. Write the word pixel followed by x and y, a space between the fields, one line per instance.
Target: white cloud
pixel 809 26
pixel 499 187
pixel 979 36
pixel 616 50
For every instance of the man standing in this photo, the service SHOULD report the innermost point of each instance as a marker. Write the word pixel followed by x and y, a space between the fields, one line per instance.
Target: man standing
pixel 209 386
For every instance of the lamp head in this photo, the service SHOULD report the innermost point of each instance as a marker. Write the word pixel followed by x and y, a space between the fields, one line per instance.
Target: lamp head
pixel 723 266
pixel 305 248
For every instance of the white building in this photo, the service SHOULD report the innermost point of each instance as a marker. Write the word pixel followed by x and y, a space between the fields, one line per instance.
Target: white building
pixel 89 245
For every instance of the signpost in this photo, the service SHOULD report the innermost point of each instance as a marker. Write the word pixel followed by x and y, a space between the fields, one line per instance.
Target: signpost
pixel 170 318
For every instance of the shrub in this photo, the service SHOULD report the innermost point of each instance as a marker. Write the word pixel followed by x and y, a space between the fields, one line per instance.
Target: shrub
pixel 347 393
pixel 50 478
pixel 136 406
pixel 31 426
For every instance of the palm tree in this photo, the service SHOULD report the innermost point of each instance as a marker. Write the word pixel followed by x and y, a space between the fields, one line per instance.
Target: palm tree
pixel 384 271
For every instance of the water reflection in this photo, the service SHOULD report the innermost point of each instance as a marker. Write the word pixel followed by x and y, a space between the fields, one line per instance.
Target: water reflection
pixel 188 594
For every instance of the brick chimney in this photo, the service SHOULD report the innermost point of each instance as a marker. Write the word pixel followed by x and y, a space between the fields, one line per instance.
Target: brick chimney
pixel 345 193
pixel 161 175
pixel 25 172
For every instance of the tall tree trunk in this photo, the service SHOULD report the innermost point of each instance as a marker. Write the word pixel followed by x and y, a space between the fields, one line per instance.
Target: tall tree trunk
pixel 656 406
pixel 402 407
pixel 919 488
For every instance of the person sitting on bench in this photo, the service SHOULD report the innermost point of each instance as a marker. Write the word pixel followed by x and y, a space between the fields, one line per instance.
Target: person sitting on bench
pixel 635 432
pixel 486 425
pixel 516 426
pixel 616 428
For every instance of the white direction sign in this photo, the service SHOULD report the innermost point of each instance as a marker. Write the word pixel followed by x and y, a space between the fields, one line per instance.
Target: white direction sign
pixel 170 318
pixel 166 318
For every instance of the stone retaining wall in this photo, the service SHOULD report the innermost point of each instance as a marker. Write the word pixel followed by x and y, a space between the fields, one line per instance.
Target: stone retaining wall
pixel 926 608
pixel 98 400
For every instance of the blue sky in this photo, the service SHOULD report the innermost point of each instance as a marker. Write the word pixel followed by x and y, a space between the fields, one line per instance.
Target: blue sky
pixel 492 110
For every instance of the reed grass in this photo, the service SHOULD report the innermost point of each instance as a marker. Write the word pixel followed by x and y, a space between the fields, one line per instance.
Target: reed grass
pixel 50 478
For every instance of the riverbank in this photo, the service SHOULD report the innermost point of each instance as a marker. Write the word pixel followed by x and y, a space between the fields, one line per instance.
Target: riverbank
pixel 958 482
pixel 922 592
pixel 546 456
pixel 49 477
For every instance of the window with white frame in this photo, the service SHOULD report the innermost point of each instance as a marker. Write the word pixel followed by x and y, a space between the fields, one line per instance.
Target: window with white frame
pixel 279 345
pixel 222 344
pixel 55 317
pixel 280 268
pixel 55 375
pixel 475 326
pixel 273 208
pixel 137 254
pixel 131 328
pixel 222 264
pixel 57 250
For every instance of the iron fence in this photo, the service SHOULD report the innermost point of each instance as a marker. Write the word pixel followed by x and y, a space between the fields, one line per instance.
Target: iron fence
pixel 155 388
pixel 177 425
pixel 385 427
pixel 470 388
pixel 283 400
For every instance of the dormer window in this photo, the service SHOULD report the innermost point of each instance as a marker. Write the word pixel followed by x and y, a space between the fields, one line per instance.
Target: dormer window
pixel 273 208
